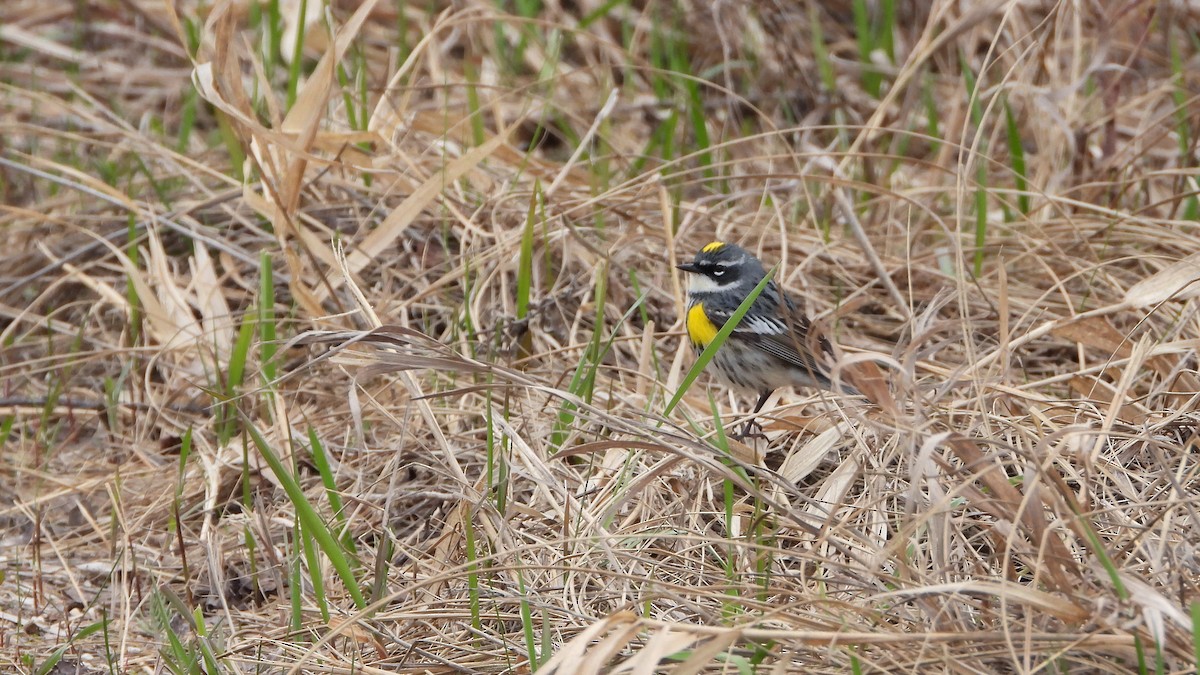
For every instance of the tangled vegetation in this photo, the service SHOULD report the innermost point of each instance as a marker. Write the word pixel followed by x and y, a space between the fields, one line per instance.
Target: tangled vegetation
pixel 344 337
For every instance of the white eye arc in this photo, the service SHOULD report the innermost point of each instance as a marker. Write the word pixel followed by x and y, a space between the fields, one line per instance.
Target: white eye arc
pixel 718 273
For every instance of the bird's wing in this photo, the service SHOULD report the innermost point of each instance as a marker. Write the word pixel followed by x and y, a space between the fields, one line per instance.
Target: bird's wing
pixel 789 338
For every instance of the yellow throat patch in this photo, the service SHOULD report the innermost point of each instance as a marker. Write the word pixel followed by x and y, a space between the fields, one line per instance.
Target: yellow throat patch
pixel 701 330
pixel 713 247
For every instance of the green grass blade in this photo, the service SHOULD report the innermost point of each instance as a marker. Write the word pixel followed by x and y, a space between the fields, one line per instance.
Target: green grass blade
pixel 871 79
pixel 266 318
pixel 525 261
pixel 527 627
pixel 293 83
pixel 472 553
pixel 820 51
pixel 1196 634
pixel 321 461
pixel 1016 151
pixel 309 517
pixel 48 666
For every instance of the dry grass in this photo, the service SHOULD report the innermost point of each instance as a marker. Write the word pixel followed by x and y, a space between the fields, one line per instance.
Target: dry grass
pixel 465 462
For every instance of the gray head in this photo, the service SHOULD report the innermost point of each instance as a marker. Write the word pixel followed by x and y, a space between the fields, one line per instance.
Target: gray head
pixel 721 267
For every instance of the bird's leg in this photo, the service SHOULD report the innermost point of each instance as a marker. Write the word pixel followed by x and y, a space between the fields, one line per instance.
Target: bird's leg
pixel 752 429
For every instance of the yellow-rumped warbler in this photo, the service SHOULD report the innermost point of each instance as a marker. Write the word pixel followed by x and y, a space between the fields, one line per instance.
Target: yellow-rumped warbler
pixel 774 345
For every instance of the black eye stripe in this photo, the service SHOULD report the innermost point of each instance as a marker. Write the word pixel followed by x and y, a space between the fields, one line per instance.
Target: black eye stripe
pixel 714 269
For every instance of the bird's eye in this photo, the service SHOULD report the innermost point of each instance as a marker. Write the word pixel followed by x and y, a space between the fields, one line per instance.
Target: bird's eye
pixel 718 273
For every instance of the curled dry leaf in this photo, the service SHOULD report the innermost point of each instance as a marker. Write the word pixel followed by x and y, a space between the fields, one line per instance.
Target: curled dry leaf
pixel 1180 280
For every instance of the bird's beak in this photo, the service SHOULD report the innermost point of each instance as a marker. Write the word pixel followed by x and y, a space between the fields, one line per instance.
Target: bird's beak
pixel 688 267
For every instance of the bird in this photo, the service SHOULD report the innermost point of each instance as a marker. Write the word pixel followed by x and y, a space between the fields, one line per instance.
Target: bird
pixel 774 345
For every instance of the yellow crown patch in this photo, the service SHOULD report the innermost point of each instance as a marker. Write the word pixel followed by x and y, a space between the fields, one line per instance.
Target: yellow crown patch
pixel 713 247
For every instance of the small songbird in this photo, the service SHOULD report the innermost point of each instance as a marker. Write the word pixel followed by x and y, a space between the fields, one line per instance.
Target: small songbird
pixel 775 345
